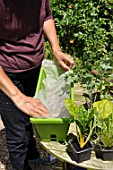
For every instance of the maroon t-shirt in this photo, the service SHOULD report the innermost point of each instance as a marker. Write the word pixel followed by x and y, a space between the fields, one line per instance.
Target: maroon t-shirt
pixel 21 34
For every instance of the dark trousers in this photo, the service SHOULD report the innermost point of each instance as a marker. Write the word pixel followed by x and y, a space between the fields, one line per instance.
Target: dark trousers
pixel 19 133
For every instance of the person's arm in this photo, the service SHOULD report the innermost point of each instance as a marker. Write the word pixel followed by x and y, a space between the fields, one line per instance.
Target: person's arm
pixel 50 31
pixel 28 105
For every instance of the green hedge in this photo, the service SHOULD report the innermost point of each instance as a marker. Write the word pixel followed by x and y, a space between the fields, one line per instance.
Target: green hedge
pixel 85 31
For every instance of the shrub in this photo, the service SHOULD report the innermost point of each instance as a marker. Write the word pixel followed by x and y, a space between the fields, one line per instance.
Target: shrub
pixel 85 29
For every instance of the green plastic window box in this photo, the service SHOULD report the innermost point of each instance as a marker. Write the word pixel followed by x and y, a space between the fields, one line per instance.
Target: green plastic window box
pixel 51 129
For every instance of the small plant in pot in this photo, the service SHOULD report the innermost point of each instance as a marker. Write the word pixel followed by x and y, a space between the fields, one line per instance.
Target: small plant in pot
pixel 84 119
pixel 104 130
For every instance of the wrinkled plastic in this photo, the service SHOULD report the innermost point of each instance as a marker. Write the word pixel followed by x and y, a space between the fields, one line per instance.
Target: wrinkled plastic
pixel 56 88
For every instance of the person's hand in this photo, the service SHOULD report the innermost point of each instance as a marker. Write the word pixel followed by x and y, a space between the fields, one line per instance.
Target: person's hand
pixel 64 60
pixel 31 106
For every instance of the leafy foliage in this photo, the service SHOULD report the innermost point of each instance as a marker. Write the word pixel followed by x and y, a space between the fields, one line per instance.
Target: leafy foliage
pixel 85 31
pixel 104 122
pixel 84 119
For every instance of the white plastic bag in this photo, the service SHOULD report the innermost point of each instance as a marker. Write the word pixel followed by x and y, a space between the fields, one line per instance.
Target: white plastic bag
pixel 57 87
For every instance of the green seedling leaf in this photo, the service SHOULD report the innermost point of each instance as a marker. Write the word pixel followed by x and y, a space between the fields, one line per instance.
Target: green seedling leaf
pixel 72 107
pixel 104 108
pixel 84 120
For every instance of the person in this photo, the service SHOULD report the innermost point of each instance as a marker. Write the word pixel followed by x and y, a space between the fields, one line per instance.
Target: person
pixel 23 25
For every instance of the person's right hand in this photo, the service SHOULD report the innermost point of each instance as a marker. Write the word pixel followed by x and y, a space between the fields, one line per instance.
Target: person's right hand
pixel 31 106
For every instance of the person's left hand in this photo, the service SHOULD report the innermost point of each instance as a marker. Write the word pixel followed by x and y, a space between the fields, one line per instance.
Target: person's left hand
pixel 64 60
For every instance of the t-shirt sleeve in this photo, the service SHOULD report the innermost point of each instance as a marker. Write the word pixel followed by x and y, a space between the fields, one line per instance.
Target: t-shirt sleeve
pixel 48 11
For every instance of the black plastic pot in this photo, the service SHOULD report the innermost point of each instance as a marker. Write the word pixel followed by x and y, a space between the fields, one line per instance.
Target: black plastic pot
pixel 104 154
pixel 79 154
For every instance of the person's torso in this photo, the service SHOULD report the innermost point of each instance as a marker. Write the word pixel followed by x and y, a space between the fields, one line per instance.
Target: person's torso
pixel 21 36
